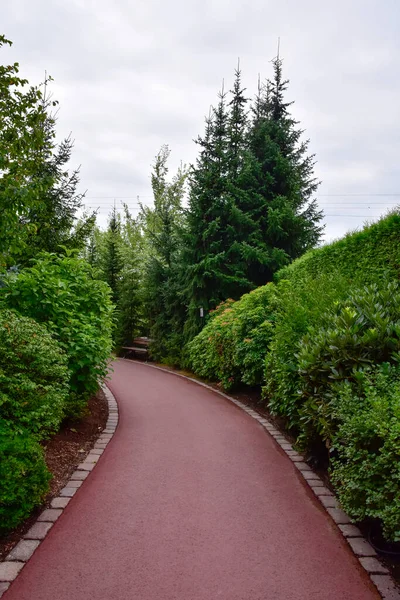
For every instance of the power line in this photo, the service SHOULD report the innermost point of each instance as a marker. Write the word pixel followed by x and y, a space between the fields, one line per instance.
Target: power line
pixel 397 195
pixel 364 203
pixel 137 197
pixel 117 197
pixel 358 216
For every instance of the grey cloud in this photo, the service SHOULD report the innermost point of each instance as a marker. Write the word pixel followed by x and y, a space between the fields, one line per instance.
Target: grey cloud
pixel 131 76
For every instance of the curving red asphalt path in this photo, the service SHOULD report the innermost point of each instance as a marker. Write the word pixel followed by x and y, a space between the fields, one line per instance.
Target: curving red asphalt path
pixel 192 500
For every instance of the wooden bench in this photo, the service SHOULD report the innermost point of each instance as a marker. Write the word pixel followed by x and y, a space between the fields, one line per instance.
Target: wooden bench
pixel 139 348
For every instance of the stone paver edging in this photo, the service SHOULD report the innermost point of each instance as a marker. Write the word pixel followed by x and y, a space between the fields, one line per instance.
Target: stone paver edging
pixel 22 552
pixel 365 553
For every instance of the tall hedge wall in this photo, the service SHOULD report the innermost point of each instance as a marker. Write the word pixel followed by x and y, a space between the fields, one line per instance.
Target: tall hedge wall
pixel 320 341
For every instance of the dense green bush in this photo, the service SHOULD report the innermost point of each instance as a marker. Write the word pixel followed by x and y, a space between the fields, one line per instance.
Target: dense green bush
pixel 309 287
pixel 356 335
pixel 295 309
pixel 232 346
pixel 210 352
pixel 24 477
pixel 366 446
pixel 62 293
pixel 329 329
pixel 33 376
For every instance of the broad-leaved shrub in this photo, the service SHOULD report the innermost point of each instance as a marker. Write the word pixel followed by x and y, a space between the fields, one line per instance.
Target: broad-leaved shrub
pixel 295 308
pixel 356 335
pixel 366 448
pixel 61 292
pixel 33 376
pixel 24 477
pixel 232 346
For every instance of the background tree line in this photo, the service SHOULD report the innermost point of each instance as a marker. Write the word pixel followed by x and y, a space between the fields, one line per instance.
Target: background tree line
pixel 219 228
pixel 216 230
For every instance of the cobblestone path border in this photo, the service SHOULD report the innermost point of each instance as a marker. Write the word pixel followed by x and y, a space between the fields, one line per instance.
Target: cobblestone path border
pixel 15 561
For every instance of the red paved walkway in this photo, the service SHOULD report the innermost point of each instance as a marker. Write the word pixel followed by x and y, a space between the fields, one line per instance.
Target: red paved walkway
pixel 192 500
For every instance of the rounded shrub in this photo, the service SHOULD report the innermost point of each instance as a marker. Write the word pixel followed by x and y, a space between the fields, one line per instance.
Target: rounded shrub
pixel 24 477
pixel 309 287
pixel 366 448
pixel 296 308
pixel 358 334
pixel 62 293
pixel 33 376
pixel 232 346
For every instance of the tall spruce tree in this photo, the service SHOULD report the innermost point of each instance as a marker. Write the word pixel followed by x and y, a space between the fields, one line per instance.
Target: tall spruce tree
pixel 112 258
pixel 162 282
pixel 116 256
pixel 216 267
pixel 239 225
pixel 94 250
pixel 251 209
pixel 279 179
pixel 130 298
pixel 237 125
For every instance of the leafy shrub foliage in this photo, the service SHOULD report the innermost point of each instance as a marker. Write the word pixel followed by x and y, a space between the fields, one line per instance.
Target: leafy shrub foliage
pixel 33 376
pixel 366 466
pixel 295 308
pixel 309 287
pixel 62 293
pixel 357 334
pixel 23 475
pixel 232 346
pixel 328 331
pixel 209 352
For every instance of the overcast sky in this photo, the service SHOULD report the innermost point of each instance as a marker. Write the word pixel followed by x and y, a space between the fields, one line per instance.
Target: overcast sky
pixel 133 75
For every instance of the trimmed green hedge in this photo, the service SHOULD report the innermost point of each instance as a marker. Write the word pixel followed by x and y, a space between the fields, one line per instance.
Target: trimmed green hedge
pixel 362 257
pixel 309 287
pixel 328 332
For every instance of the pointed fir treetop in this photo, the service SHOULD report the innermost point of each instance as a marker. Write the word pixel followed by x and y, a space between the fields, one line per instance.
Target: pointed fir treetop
pixel 278 87
pixel 237 122
pixel 219 126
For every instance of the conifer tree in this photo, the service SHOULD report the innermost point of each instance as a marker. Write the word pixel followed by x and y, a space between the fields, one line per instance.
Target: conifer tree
pixel 53 221
pixel 237 126
pixel 217 218
pixel 240 224
pixel 213 274
pixel 130 300
pixel 112 259
pixel 162 283
pixel 280 181
pixel 251 209
pixel 94 251
pixel 117 258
